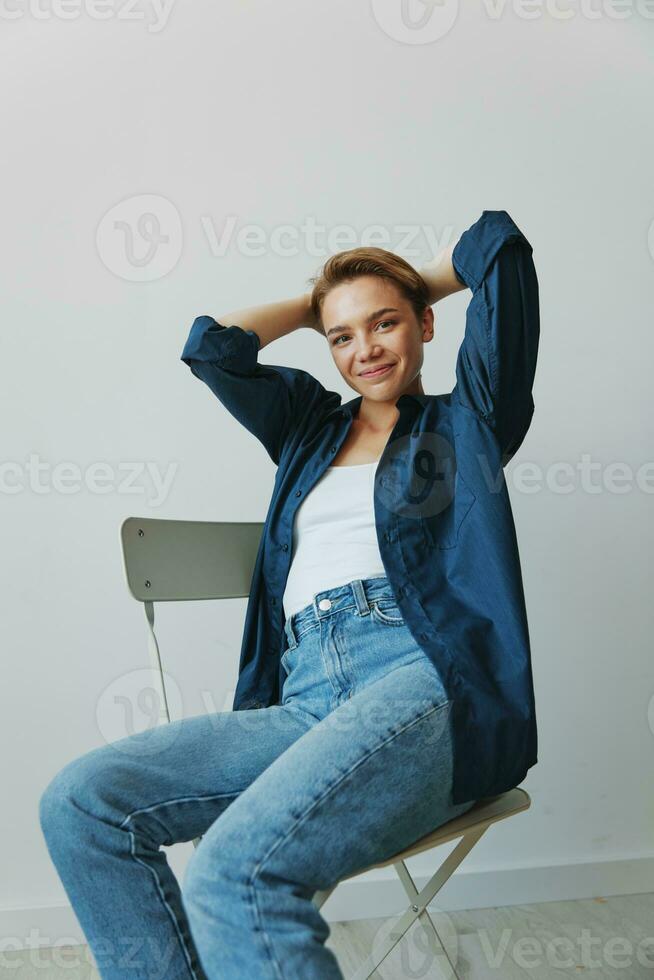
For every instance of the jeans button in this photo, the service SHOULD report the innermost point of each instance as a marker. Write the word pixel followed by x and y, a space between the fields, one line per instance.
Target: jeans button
pixel 325 604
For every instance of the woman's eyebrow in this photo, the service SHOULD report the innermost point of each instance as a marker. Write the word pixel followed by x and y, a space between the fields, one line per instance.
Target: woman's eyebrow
pixel 372 316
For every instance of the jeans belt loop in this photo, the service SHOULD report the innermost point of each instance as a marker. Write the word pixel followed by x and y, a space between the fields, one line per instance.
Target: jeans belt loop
pixel 363 606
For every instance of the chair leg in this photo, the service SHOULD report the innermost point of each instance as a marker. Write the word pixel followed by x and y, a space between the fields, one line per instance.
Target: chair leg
pixel 418 909
pixel 436 945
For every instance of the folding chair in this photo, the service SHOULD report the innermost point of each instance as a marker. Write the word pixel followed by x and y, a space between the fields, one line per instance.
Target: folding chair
pixel 168 560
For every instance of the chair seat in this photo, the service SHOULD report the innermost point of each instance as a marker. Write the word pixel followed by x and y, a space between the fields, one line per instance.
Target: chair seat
pixel 476 819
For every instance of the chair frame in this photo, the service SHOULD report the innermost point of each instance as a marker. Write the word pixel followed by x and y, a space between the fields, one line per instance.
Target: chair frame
pixel 171 560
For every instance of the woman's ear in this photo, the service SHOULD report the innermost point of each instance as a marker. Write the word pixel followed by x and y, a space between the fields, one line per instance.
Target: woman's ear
pixel 427 325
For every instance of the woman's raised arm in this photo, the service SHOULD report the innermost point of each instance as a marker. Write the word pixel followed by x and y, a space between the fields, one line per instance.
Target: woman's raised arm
pixel 272 401
pixel 440 275
pixel 270 321
pixel 496 362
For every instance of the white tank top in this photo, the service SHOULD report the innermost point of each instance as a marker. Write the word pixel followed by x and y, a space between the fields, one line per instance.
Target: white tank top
pixel 334 535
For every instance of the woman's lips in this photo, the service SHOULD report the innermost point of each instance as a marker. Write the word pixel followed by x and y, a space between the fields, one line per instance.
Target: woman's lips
pixel 378 373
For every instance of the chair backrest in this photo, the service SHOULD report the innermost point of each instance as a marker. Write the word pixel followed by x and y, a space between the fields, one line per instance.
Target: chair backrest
pixel 167 560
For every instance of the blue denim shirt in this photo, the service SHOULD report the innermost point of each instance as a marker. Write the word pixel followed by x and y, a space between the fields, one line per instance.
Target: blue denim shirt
pixel 444 522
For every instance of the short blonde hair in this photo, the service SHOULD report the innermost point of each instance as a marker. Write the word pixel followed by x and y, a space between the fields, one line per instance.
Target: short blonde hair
pixel 369 261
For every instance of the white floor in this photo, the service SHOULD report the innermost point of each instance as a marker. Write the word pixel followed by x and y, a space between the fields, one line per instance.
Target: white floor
pixel 600 938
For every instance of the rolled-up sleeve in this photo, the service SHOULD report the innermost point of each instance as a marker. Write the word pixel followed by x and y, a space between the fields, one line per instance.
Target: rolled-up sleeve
pixel 269 400
pixel 496 362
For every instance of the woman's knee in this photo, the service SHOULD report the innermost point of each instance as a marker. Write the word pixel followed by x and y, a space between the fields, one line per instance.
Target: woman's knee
pixel 74 790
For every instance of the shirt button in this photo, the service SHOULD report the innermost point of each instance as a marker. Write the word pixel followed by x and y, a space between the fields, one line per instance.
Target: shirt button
pixel 298 493
pixel 333 449
pixel 325 604
pixel 284 547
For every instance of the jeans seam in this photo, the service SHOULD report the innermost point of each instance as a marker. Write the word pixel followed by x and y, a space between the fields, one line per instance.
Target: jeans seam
pixel 175 799
pixel 300 633
pixel 256 917
pixel 162 896
pixel 159 889
pixel 300 819
pixel 171 913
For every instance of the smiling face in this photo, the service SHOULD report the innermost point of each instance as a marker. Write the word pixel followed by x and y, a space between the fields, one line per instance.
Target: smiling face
pixel 368 324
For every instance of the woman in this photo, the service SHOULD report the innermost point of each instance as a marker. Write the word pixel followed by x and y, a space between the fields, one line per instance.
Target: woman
pixel 385 674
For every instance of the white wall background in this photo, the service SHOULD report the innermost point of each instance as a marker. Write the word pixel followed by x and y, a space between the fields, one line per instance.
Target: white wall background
pixel 276 115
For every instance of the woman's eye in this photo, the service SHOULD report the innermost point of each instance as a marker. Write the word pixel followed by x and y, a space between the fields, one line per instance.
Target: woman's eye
pixel 380 324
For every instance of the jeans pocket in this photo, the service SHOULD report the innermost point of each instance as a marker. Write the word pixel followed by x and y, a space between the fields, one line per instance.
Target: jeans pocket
pixel 284 661
pixel 386 612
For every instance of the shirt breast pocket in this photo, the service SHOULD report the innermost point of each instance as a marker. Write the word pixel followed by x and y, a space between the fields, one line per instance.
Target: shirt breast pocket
pixel 449 508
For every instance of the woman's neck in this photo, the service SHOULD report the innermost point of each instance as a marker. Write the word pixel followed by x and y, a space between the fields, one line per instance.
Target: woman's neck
pixel 380 417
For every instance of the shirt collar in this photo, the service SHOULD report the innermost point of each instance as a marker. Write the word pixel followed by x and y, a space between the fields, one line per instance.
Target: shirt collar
pixel 403 403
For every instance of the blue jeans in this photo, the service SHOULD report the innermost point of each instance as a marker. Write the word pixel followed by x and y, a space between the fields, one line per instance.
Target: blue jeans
pixel 353 766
